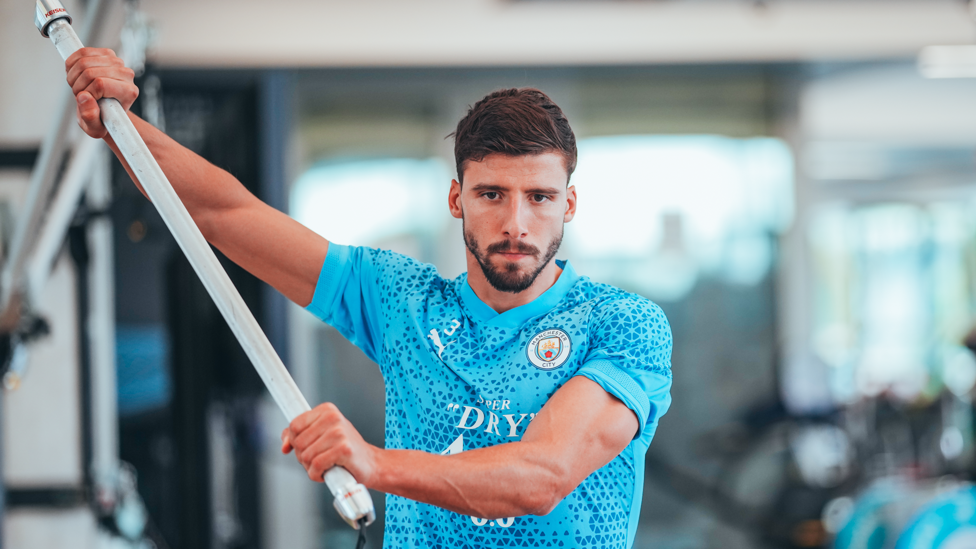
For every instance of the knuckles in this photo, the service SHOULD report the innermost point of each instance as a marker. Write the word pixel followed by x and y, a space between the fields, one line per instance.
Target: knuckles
pixel 318 468
pixel 339 446
pixel 91 68
pixel 320 438
pixel 85 55
pixel 328 408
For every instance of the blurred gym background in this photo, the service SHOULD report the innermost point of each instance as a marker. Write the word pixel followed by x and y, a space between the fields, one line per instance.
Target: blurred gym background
pixel 793 181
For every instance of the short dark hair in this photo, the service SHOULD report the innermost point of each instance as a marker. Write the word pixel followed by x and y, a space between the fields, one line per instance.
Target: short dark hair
pixel 515 122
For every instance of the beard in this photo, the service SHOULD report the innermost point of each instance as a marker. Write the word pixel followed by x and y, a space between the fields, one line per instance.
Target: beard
pixel 511 277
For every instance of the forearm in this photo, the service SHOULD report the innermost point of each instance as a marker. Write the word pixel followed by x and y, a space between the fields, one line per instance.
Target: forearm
pixel 267 243
pixel 507 480
pixel 558 450
pixel 264 241
pixel 204 189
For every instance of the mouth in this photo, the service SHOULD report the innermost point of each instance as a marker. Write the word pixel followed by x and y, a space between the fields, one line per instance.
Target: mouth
pixel 514 257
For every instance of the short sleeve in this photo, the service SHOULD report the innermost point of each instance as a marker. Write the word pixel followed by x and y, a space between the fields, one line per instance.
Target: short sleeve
pixel 358 287
pixel 630 357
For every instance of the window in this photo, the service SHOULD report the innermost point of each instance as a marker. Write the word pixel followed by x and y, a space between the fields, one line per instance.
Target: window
pixel 657 212
pixel 365 202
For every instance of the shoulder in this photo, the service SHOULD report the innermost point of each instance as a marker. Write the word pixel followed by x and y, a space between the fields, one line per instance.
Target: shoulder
pixel 397 275
pixel 390 264
pixel 611 304
pixel 390 261
pixel 624 317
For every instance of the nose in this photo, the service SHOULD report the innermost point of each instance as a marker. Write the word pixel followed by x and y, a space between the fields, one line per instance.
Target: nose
pixel 516 223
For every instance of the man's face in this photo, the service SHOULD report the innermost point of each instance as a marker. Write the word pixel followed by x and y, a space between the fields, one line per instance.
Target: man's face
pixel 513 209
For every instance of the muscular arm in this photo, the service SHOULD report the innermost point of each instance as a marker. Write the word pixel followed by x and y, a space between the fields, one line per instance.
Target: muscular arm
pixel 262 240
pixel 579 430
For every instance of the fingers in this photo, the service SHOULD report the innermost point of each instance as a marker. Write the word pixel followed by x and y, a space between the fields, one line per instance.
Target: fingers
pixel 321 439
pixel 83 53
pixel 318 450
pixel 102 74
pixel 325 442
pixel 124 92
pixel 328 428
pixel 328 450
pixel 85 78
pixel 285 442
pixel 85 64
pixel 89 116
pixel 326 411
pixel 325 461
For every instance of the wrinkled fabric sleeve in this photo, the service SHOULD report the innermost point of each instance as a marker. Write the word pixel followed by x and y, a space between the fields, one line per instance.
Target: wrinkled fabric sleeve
pixel 630 357
pixel 362 291
pixel 346 296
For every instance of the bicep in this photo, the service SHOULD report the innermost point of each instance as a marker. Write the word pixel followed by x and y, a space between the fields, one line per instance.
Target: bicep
pixel 270 245
pixel 582 427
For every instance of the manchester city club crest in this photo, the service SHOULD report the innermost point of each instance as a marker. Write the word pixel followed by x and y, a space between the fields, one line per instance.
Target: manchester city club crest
pixel 549 349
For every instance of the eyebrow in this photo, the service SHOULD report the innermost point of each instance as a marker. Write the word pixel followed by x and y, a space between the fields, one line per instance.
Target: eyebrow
pixel 488 187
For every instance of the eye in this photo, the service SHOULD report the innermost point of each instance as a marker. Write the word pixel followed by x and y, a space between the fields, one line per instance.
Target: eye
pixel 539 198
pixel 490 195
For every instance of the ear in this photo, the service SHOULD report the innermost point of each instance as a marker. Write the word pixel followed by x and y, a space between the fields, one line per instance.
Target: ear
pixel 454 199
pixel 570 204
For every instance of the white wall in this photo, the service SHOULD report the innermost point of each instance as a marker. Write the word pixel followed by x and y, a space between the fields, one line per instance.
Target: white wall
pixel 890 104
pixel 33 72
pixel 33 76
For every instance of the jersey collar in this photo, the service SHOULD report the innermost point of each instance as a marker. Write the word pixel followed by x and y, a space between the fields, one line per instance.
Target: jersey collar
pixel 514 318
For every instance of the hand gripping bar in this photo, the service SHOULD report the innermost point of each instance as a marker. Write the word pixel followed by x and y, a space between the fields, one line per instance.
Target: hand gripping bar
pixel 352 500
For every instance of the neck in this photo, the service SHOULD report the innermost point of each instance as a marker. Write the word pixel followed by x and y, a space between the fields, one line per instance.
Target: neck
pixel 503 301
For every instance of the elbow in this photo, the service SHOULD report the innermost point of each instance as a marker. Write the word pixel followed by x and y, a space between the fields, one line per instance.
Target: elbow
pixel 544 507
pixel 205 222
pixel 535 504
pixel 544 497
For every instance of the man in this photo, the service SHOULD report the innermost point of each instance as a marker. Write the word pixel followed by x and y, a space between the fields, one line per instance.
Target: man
pixel 521 397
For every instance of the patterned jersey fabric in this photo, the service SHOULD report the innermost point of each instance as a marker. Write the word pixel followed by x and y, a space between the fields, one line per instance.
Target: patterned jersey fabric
pixel 461 376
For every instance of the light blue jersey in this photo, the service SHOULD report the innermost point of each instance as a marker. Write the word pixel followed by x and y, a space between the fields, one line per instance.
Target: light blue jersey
pixel 461 376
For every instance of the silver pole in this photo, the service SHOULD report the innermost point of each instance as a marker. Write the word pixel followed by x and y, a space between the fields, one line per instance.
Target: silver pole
pixel 42 179
pixel 352 500
pixel 60 213
pixel 101 331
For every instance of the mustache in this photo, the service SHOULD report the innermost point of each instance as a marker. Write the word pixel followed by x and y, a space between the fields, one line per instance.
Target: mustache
pixel 516 247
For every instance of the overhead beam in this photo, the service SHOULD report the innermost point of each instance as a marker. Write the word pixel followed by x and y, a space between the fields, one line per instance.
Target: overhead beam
pixel 316 33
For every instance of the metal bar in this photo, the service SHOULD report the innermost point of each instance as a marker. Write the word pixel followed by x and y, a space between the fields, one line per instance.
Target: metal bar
pixel 42 179
pixel 59 216
pixel 352 500
pixel 101 330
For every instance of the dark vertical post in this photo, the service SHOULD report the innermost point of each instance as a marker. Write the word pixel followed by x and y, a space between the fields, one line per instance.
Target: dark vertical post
pixel 275 97
pixel 80 253
pixel 3 487
pixel 191 325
